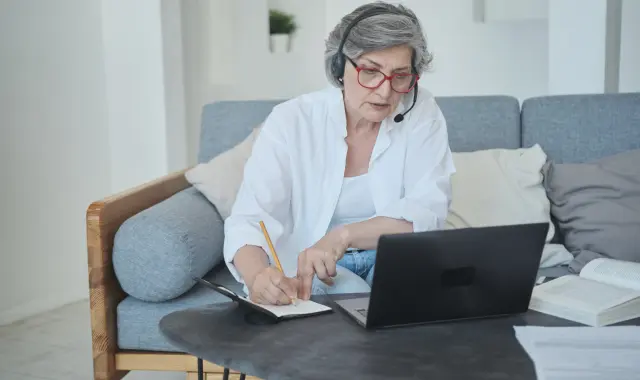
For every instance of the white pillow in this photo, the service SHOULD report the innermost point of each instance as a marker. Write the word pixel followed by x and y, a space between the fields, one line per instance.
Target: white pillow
pixel 219 179
pixel 499 187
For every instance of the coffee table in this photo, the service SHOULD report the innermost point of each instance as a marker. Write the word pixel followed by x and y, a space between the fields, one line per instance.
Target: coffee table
pixel 333 346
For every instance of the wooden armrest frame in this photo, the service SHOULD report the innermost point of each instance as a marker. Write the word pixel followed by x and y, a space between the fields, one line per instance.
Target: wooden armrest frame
pixel 104 217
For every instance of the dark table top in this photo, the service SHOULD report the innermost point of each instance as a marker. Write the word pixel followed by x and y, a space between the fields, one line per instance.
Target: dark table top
pixel 333 346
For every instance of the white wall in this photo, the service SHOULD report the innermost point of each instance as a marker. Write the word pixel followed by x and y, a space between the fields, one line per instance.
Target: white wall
pixel 92 102
pixel 577 48
pixel 206 26
pixel 509 10
pixel 144 90
pixel 630 50
pixel 267 75
pixel 595 50
pixel 55 149
pixel 176 147
pixel 584 54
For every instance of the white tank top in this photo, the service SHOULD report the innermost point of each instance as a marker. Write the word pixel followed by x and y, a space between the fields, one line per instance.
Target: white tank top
pixel 355 203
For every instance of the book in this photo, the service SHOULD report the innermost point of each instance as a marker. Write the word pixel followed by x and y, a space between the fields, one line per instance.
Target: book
pixel 302 308
pixel 606 291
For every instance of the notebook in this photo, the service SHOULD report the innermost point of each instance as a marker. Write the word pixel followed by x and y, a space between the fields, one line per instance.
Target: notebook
pixel 301 309
pixel 606 291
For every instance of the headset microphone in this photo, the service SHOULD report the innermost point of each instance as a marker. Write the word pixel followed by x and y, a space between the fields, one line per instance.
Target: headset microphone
pixel 400 117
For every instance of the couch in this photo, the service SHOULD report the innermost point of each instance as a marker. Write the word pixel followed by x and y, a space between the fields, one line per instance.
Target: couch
pixel 177 233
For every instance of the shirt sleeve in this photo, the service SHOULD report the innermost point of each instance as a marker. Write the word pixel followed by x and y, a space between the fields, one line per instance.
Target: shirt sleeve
pixel 264 194
pixel 428 170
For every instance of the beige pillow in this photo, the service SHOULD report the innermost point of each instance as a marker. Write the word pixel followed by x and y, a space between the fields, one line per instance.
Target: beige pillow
pixel 499 187
pixel 219 179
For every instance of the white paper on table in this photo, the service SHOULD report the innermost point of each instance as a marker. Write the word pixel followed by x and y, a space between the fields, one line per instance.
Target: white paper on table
pixel 589 353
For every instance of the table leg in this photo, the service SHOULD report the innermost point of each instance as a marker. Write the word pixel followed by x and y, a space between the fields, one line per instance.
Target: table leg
pixel 200 370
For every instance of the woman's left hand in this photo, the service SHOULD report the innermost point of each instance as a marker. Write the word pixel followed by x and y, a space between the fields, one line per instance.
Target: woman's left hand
pixel 320 259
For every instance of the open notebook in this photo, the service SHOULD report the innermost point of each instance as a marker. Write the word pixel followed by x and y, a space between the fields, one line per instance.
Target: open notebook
pixel 283 312
pixel 607 291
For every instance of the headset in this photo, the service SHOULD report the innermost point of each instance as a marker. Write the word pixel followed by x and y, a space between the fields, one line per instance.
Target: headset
pixel 339 61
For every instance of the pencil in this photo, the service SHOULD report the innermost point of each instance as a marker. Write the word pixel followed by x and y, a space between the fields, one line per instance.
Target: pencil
pixel 273 251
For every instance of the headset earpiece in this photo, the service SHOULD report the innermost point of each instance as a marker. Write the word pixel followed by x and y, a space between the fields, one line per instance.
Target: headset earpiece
pixel 337 66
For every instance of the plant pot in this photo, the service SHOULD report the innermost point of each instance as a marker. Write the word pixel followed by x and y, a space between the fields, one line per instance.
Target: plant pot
pixel 280 43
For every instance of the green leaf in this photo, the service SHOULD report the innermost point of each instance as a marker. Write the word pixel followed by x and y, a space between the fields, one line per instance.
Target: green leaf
pixel 281 22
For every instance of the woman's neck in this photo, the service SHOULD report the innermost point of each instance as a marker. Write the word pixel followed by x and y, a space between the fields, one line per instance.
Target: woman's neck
pixel 356 124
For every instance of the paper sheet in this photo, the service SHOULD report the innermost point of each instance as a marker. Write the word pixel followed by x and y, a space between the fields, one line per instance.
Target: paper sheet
pixel 300 308
pixel 589 353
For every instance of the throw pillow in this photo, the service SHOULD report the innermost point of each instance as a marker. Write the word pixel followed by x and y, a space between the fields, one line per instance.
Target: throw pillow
pixel 499 187
pixel 219 179
pixel 597 205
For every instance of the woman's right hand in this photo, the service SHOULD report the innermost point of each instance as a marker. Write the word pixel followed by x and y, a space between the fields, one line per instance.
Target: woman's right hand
pixel 271 287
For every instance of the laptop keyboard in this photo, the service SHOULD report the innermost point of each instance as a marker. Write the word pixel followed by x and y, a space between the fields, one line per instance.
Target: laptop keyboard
pixel 363 312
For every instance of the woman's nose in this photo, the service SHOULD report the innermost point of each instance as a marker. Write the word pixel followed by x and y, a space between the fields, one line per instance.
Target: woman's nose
pixel 385 89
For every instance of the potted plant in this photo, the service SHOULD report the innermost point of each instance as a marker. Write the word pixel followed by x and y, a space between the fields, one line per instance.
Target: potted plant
pixel 281 27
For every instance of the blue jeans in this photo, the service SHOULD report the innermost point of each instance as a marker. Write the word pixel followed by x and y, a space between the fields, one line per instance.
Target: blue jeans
pixel 360 263
pixel 355 274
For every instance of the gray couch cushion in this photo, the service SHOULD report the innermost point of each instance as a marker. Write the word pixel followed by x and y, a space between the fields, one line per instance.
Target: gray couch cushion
pixel 225 124
pixel 481 122
pixel 474 123
pixel 580 128
pixel 138 320
pixel 597 206
pixel 157 251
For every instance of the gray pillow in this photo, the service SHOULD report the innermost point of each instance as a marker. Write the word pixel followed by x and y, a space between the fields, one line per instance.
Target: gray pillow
pixel 597 207
pixel 157 252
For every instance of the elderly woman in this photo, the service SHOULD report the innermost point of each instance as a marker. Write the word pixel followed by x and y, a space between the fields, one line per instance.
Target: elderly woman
pixel 333 170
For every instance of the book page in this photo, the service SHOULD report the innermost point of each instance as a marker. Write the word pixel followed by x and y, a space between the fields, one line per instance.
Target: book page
pixel 300 308
pixel 580 293
pixel 614 272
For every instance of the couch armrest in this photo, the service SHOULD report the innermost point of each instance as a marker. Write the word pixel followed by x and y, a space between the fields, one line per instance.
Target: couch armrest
pixel 104 217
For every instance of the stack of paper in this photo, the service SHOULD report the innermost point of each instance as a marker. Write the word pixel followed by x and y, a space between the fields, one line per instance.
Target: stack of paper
pixel 586 353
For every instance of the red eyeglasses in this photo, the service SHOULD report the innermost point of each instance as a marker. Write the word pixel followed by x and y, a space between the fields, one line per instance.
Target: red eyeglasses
pixel 373 78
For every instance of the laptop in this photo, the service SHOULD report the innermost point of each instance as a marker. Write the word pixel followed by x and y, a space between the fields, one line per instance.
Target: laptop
pixel 448 275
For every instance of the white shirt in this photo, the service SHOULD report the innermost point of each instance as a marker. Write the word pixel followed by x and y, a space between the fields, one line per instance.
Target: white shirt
pixel 293 178
pixel 355 203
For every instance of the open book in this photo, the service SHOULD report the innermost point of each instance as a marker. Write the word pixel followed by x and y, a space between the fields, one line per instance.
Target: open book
pixel 607 291
pixel 277 312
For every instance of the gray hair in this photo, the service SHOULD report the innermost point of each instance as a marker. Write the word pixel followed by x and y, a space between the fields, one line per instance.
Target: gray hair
pixel 399 26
